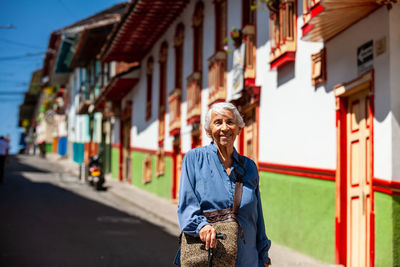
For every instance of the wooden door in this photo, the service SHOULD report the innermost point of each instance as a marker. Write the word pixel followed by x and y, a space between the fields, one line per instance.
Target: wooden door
pixel 176 168
pixel 126 158
pixel 250 138
pixel 359 188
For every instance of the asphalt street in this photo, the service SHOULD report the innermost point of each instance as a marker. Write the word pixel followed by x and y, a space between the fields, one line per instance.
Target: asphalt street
pixel 49 218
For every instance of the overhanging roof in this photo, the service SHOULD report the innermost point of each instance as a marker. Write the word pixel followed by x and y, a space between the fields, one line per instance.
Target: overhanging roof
pixel 90 43
pixel 330 17
pixel 119 86
pixel 140 27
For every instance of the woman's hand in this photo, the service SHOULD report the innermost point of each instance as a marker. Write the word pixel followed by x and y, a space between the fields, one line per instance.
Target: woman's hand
pixel 208 234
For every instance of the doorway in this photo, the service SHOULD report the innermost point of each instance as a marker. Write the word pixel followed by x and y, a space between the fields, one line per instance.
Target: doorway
pixel 176 168
pixel 249 135
pixel 125 152
pixel 355 212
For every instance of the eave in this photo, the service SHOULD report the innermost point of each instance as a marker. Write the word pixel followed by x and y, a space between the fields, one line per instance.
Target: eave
pixel 90 43
pixel 140 27
pixel 330 17
pixel 118 87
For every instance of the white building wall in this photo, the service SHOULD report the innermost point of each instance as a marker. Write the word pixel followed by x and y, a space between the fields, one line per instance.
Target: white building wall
pixel 394 57
pixel 208 51
pixel 297 120
pixel 342 67
pixel 145 133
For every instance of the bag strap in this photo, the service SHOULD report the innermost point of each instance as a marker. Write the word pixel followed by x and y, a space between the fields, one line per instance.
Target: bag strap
pixel 238 186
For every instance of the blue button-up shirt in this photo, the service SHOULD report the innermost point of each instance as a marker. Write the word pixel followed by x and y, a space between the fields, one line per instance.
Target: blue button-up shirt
pixel 206 186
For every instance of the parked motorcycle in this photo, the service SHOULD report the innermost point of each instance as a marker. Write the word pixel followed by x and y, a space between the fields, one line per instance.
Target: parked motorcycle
pixel 95 177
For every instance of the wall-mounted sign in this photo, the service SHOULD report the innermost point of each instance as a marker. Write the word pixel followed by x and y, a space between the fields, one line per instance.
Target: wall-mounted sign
pixel 365 56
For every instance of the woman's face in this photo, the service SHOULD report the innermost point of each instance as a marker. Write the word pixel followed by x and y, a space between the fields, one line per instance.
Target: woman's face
pixel 224 128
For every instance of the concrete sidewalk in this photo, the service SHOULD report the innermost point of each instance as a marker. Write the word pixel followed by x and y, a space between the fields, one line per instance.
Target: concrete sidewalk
pixel 162 212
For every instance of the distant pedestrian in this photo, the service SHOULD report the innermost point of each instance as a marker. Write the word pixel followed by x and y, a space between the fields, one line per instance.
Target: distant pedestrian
pixel 4 146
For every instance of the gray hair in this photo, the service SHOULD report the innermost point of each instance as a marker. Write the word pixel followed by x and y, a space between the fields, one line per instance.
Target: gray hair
pixel 219 108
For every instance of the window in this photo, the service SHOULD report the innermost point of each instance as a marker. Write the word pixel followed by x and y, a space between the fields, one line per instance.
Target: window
pixel 193 81
pixel 198 37
pixel 175 112
pixel 248 12
pixel 147 171
pixel 283 33
pixel 163 92
pixel 318 67
pixel 149 84
pixel 178 43
pixel 220 25
pixel 217 77
pixel 160 165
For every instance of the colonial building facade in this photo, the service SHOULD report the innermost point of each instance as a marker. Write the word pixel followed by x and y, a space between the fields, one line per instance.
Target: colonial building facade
pixel 316 82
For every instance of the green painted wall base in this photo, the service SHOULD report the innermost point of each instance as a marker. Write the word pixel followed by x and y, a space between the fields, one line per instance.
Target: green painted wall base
pixel 299 213
pixel 49 148
pixel 387 230
pixel 115 162
pixel 160 186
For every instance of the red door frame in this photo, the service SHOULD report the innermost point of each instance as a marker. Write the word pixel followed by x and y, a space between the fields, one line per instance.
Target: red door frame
pixel 125 114
pixel 342 91
pixel 176 150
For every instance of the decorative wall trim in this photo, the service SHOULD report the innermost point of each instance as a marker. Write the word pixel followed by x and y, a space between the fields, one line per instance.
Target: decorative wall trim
pixel 149 151
pixel 387 187
pixel 317 173
pixel 116 145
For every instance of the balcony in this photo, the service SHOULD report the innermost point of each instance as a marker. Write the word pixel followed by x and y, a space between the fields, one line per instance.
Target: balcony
pixel 311 8
pixel 193 97
pixel 84 107
pixel 217 77
pixel 283 34
pixel 249 34
pixel 174 101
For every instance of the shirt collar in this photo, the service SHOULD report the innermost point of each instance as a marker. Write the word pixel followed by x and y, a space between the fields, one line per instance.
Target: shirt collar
pixel 213 147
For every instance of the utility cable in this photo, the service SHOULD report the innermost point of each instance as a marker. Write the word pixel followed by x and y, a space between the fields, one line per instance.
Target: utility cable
pixel 18 43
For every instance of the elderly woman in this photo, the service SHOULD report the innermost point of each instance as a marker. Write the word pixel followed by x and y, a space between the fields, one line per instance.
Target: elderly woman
pixel 208 184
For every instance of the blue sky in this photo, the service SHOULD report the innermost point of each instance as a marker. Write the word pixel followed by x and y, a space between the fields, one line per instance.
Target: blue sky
pixel 22 48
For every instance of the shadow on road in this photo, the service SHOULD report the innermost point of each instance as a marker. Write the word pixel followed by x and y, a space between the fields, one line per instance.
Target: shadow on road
pixel 47 225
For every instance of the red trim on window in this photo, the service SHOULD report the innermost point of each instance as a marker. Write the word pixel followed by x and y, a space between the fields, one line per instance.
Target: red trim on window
pixel 193 119
pixel 283 59
pixel 249 82
pixel 175 131
pixel 317 173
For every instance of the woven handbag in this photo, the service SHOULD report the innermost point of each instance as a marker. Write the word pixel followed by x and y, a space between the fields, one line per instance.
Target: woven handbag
pixel 193 252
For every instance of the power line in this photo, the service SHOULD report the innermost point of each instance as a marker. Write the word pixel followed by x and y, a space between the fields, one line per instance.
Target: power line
pixel 22 56
pixel 67 9
pixel 18 43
